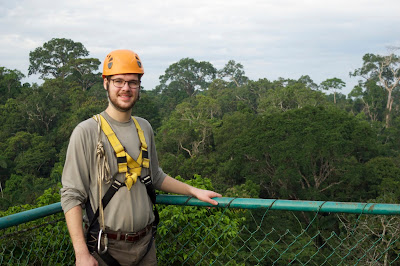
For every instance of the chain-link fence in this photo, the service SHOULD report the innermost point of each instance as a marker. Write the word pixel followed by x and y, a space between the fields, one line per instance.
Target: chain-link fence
pixel 240 232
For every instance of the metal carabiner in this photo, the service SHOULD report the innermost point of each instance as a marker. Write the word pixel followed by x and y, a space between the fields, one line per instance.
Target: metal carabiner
pixel 105 243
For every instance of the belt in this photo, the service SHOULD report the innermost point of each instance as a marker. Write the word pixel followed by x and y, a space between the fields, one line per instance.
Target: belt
pixel 128 237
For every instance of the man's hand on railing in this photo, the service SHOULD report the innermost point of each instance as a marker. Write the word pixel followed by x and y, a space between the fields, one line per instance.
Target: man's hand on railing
pixel 205 195
pixel 175 186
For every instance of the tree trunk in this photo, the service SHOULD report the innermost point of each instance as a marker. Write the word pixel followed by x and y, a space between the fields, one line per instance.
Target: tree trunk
pixel 334 97
pixel 389 107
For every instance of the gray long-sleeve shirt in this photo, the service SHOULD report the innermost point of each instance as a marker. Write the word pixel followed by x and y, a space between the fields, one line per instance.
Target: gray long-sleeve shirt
pixel 128 211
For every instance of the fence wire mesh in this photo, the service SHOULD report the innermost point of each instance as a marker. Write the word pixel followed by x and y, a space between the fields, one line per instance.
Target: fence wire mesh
pixel 190 235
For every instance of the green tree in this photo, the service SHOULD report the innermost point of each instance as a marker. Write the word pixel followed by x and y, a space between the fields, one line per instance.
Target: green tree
pixel 306 153
pixel 43 105
pixel 243 98
pixel 54 59
pixel 372 99
pixel 149 108
pixel 385 71
pixel 10 83
pixel 190 126
pixel 82 72
pixel 234 72
pixel 231 168
pixel 24 189
pixel 12 119
pixel 187 136
pixel 306 80
pixel 30 154
pixel 381 177
pixel 334 84
pixel 294 95
pixel 188 76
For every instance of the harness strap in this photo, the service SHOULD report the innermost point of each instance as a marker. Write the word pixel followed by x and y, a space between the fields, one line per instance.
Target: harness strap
pixel 126 164
pixel 153 196
pixel 107 258
pixel 115 186
pixel 145 154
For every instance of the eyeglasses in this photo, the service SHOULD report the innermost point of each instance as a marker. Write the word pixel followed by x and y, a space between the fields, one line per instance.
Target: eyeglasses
pixel 120 83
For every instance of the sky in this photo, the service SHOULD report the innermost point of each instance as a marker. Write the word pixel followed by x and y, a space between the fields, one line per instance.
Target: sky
pixel 271 39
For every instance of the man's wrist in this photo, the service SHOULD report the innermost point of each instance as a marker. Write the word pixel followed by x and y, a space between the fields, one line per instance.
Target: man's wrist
pixel 81 250
pixel 192 191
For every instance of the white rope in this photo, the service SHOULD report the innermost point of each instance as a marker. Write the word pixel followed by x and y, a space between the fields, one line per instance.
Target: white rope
pixel 103 171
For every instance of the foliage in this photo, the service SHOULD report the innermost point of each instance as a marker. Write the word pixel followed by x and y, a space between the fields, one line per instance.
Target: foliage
pixel 48 196
pixel 246 190
pixel 384 71
pixel 267 138
pixel 188 75
pixel 30 153
pixel 148 107
pixel 234 72
pixel 334 84
pixel 20 189
pixel 213 227
pixel 54 57
pixel 379 234
pixel 382 177
pixel 10 83
pixel 293 96
pixel 371 98
pixel 48 247
pixel 82 72
pixel 300 154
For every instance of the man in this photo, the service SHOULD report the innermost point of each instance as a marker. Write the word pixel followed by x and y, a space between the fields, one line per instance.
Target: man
pixel 122 232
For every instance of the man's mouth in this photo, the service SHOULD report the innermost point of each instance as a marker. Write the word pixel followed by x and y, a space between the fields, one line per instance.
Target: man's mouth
pixel 125 96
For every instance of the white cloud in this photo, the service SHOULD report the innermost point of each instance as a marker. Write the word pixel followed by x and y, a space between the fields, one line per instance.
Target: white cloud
pixel 272 39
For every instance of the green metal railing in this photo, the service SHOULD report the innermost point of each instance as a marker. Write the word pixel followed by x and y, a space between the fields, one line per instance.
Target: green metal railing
pixel 239 232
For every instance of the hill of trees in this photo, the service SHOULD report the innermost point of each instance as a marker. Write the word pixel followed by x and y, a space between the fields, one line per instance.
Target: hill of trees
pixel 289 139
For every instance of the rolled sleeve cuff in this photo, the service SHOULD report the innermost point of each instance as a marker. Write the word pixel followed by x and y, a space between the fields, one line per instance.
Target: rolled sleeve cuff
pixel 71 198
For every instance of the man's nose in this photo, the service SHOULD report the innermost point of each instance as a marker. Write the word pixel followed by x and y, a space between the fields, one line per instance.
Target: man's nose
pixel 126 86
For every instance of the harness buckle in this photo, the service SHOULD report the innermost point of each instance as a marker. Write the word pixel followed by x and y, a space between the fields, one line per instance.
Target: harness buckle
pixel 146 180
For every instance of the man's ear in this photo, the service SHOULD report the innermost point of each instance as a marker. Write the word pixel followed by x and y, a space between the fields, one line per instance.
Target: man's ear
pixel 105 83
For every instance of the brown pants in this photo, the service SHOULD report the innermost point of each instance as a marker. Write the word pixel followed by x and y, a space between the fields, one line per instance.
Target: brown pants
pixel 127 253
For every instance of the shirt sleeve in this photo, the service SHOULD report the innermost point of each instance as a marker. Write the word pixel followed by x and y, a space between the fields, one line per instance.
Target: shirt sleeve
pixel 76 172
pixel 157 173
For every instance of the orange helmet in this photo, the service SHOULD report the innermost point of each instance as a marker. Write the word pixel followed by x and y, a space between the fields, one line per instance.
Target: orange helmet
pixel 122 62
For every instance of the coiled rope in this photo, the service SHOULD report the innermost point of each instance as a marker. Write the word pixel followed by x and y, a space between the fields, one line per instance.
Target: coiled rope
pixel 103 170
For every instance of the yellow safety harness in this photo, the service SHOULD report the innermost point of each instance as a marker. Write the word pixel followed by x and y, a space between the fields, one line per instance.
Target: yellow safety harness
pixel 126 164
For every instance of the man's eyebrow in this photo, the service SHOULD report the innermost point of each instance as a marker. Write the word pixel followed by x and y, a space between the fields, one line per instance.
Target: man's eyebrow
pixel 126 80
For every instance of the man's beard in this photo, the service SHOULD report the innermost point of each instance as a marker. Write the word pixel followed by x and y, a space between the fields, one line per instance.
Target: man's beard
pixel 115 104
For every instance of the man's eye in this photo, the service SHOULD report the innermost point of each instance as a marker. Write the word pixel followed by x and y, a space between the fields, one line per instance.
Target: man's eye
pixel 119 81
pixel 133 83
